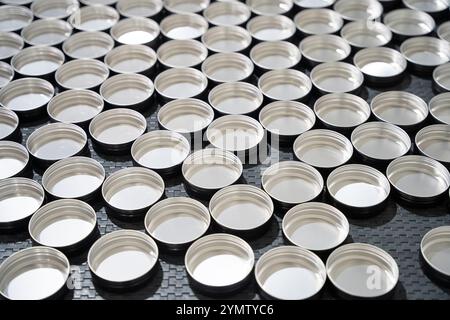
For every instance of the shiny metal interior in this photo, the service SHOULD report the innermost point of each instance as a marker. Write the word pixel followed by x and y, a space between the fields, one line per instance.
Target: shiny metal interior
pixel 227 13
pixel 290 273
pixel 97 2
pixel 381 141
pixel 226 39
pixel 81 19
pixel 308 4
pixel 354 10
pixel 203 260
pixel 322 148
pixel 235 98
pixel 433 142
pixel 82 74
pixel 6 74
pixel 275 55
pixel 443 31
pixel 426 51
pixel 62 223
pixel 366 34
pixel 16 13
pixel 348 266
pixel 88 45
pixel 37 263
pixel 127 89
pixel 75 106
pixel 201 165
pixel 318 21
pixel 269 7
pixel 441 75
pixel 67 139
pixel 139 8
pixel 160 149
pixel 73 177
pixel 183 26
pixel 50 57
pixel 434 246
pixel 324 48
pixel 46 32
pixel 399 108
pixel 287 118
pixel 131 59
pixel 336 77
pixel 170 83
pixel 430 6
pixel 285 84
pixel 292 182
pixel 140 31
pixel 380 62
pixel 133 248
pixel 439 108
pixel 10 43
pixel 9 122
pixel 186 6
pixel 241 207
pixel 342 110
pixel 315 226
pixel 16 92
pixel 262 28
pixel 13 159
pixel 182 53
pixel 410 23
pixel 54 9
pixel 227 67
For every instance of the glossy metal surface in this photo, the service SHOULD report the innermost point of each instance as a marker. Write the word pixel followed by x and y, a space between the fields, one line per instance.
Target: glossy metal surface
pixel 185 6
pixel 366 34
pixel 227 39
pixel 136 30
pixel 181 54
pixel 235 98
pixel 271 28
pixel 54 9
pixel 425 53
pixel 6 74
pixel 94 18
pixel 227 67
pixel 318 21
pixel 180 83
pixel 324 48
pixel 275 55
pixel 285 84
pixel 9 123
pixel 440 108
pixel 441 78
pixel 131 59
pixel 88 45
pixel 14 18
pixel 435 248
pixel 409 23
pixel 139 8
pixel 10 44
pixel 183 26
pixel 433 141
pixel 227 13
pixel 336 77
pixel 81 74
pixel 354 10
pixel 14 159
pixel 37 61
pixel 46 32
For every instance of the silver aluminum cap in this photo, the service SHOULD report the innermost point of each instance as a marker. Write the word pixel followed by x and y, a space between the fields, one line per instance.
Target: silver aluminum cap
pixel 433 141
pixel 380 63
pixel 46 32
pixel 271 28
pixel 275 55
pixel 226 39
pixel 181 83
pixel 94 18
pixel 441 76
pixel 434 246
pixel 324 48
pixel 235 98
pixel 227 67
pixel 318 21
pixel 270 7
pixel 82 74
pixel 409 23
pixel 185 6
pixel 354 10
pixel 6 74
pixel 131 59
pixel 10 44
pixel 426 51
pixel 139 8
pixel 14 18
pixel 227 13
pixel 54 9
pixel 88 45
pixel 181 53
pixel 443 31
pixel 13 159
pixel 366 34
pixel 440 108
pixel 9 122
pixel 37 61
pixel 314 4
pixel 183 26
pixel 135 30
pixel 285 84
pixel 336 77
pixel 127 90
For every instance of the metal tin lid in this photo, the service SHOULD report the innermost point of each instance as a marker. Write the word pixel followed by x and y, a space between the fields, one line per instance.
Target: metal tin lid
pixel 131 59
pixel 81 74
pixel 183 26
pixel 117 127
pixel 98 2
pixel 358 186
pixel 441 77
pixel 123 258
pixel 351 267
pixel 235 98
pixel 88 45
pixel 160 150
pixel 271 28
pixel 215 254
pixel 426 51
pixel 54 9
pixel 434 248
pixel 37 61
pixel 135 30
pixel 323 148
pixel 17 2
pixel 275 55
pixel 241 208
pixel 75 106
pixel 94 18
pixel 185 116
pixel 292 182
pixel 26 94
pixel 46 32
pixel 227 13
pixel 181 53
pixel 132 190
pixel 318 21
pixel 270 7
pixel 235 133
pixel 315 226
pixel 336 77
pixel 354 10
pixel 227 67
pixel 287 118
pixel 342 110
pixel 73 178
pixel 443 31
pixel 409 23
pixel 127 90
pixel 14 18
pixel 10 44
pixel 9 123
pixel 380 64
pixel 180 83
pixel 403 109
pixel 310 4
pixel 177 222
pixel 324 48
pixel 433 141
pixel 56 141
pixel 139 8
pixel 185 6
pixel 62 224
pixel 200 166
pixel 227 39
pixel 430 6
pixel 33 274
pixel 6 74
pixel 285 84
pixel 381 141
pixel 19 200
pixel 290 273
pixel 366 34
pixel 440 108
pixel 13 159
